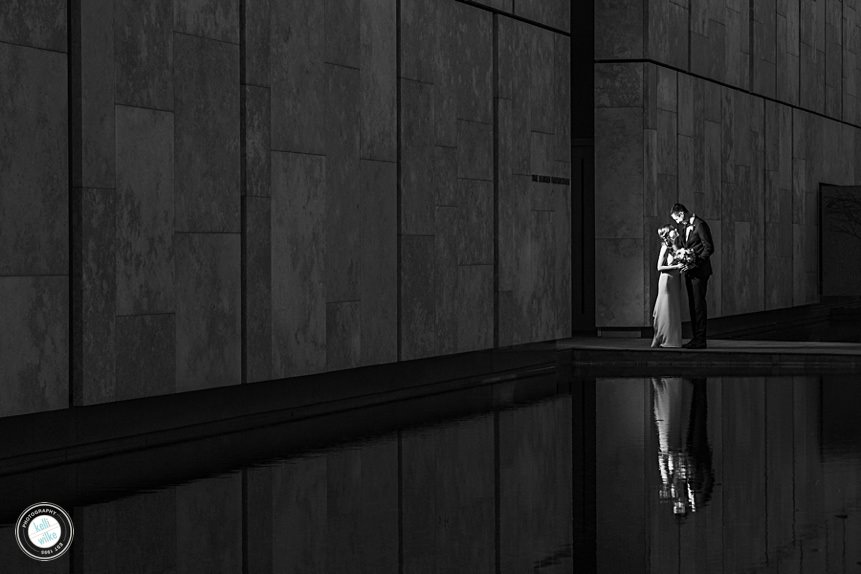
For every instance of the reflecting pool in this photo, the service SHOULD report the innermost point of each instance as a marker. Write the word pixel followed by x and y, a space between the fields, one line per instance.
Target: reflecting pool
pixel 547 474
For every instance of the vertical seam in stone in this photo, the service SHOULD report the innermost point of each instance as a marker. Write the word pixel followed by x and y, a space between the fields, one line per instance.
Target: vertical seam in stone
pixel 243 219
pixel 690 30
pixel 495 73
pixel 798 51
pixel 678 170
pixel 645 51
pixel 399 247
pixel 776 48
pixel 751 38
pixel 842 52
pixel 72 122
pixel 763 202
pixel 792 207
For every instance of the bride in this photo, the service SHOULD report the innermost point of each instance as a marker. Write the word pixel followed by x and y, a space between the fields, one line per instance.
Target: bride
pixel 667 316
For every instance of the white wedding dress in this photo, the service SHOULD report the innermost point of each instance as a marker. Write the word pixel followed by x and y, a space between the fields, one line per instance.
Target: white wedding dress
pixel 667 316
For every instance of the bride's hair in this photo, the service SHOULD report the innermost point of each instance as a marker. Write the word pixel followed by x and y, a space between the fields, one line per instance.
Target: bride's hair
pixel 664 234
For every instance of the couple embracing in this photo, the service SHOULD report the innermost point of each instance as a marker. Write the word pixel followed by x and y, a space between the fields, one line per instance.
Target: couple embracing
pixel 685 255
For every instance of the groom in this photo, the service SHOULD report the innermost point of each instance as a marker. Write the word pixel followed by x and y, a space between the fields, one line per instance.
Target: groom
pixel 697 237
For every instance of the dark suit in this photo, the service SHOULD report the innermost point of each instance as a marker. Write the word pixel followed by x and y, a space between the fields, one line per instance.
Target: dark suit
pixel 697 276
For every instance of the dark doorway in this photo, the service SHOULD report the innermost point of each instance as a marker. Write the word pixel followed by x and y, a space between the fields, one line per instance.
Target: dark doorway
pixel 840 241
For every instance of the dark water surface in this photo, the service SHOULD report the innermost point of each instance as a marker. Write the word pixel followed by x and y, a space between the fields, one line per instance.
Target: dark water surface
pixel 551 474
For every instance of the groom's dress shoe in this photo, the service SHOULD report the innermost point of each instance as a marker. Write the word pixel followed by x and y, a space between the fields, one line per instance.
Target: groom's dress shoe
pixel 695 345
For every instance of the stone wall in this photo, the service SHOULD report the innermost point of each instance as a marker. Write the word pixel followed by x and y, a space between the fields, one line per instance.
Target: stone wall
pixel 738 110
pixel 251 190
pixel 34 199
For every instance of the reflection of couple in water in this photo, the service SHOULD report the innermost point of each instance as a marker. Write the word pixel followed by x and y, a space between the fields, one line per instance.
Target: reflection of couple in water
pixel 685 456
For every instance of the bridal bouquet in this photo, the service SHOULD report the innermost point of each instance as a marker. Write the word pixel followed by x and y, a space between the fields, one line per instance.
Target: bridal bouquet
pixel 684 256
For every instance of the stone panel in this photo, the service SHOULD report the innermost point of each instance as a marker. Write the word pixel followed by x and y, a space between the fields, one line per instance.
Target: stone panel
pixel 145 211
pixel 417 46
pixel 709 39
pixel 343 335
pixel 257 262
pixel 448 498
pixel 619 29
pixel 298 76
pixel 474 222
pixel 95 291
pixel 618 86
pixel 143 51
pixel 445 180
pixel 619 170
pixel 502 5
pixel 208 318
pixel 342 32
pixel 562 98
pixel 378 81
pixel 713 177
pixel 738 46
pixel 473 63
pixel 34 168
pixel 34 344
pixel 209 525
pixel 418 312
pixel 298 256
pixel 764 25
pixel 543 313
pixel 553 13
pixel 540 81
pixel 451 21
pixel 787 69
pixel 343 187
pixel 417 197
pixel 145 357
pixel 256 145
pixel 257 20
pixel 35 23
pixel 448 295
pixel 474 307
pixel 619 285
pixel 92 65
pixel 215 19
pixel 668 33
pixel 834 58
pixel 778 265
pixel 511 41
pixel 516 278
pixel 560 301
pixel 812 54
pixel 851 60
pixel 378 281
pixel 207 135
